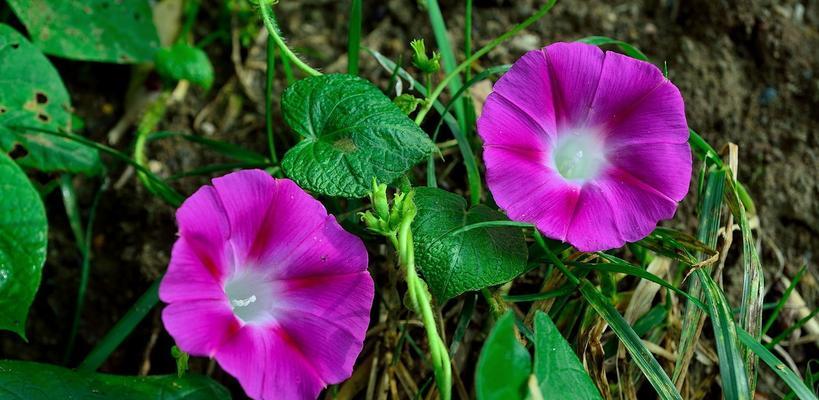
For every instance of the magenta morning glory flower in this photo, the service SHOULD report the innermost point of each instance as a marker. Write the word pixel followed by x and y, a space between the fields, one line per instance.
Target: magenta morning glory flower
pixel 268 284
pixel 591 147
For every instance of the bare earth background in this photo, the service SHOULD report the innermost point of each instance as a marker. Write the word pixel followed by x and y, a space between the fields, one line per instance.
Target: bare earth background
pixel 748 70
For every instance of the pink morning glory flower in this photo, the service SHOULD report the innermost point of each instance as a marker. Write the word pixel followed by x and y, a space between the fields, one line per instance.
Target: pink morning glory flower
pixel 268 284
pixel 590 147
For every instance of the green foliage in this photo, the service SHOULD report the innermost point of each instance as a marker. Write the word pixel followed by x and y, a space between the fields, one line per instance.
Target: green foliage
pixel 118 31
pixel 423 61
pixel 407 103
pixel 352 133
pixel 504 364
pixel 559 372
pixel 454 262
pixel 32 95
pixel 183 61
pixel 35 381
pixel 23 241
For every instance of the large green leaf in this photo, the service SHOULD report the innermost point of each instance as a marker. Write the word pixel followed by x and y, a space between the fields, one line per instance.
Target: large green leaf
pixel 560 374
pixel 32 95
pixel 454 260
pixel 352 134
pixel 504 364
pixel 119 31
pixel 20 380
pixel 23 243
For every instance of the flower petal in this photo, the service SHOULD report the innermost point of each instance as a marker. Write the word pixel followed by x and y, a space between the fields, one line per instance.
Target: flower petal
pixel 328 318
pixel 503 124
pixel 203 224
pixel 526 87
pixel 527 190
pixel 267 366
pixel 189 277
pixel 592 227
pixel 665 167
pixel 245 195
pixel 637 208
pixel 574 70
pixel 199 327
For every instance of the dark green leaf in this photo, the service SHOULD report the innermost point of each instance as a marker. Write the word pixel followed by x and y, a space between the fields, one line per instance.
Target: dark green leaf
pixel 119 31
pixel 504 365
pixel 23 241
pixel 34 381
pixel 559 372
pixel 455 260
pixel 352 134
pixel 182 61
pixel 32 95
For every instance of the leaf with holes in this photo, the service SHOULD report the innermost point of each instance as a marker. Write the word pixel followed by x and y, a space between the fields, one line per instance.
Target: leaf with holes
pixel 456 262
pixel 23 243
pixel 35 381
pixel 32 95
pixel 118 31
pixel 559 372
pixel 352 134
pixel 504 364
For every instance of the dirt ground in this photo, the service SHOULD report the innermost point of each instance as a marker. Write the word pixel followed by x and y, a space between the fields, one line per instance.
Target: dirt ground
pixel 748 70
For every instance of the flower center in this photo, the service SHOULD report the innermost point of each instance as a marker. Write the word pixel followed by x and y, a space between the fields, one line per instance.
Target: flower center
pixel 251 296
pixel 579 154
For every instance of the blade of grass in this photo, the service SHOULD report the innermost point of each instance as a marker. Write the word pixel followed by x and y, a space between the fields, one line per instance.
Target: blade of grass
pixel 651 369
pixel 753 286
pixel 270 75
pixel 209 169
pixel 784 299
pixel 469 108
pixel 473 175
pixel 85 272
pixel 777 366
pixel 731 366
pixel 627 48
pixel 543 10
pixel 121 329
pixel 165 192
pixel 72 209
pixel 710 210
pixel 354 37
pixel 787 332
pixel 436 19
pixel 227 149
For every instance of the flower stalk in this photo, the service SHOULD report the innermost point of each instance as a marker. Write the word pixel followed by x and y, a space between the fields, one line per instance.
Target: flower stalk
pixel 266 10
pixel 395 224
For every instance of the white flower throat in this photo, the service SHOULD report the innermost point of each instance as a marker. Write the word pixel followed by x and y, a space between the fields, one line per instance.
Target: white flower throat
pixel 251 296
pixel 579 154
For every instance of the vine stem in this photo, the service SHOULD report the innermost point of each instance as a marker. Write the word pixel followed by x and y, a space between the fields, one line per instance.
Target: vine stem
pixel 419 297
pixel 478 54
pixel 266 8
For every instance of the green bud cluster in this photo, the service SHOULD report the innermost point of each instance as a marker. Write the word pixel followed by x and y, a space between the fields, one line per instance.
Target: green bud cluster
pixel 421 60
pixel 384 219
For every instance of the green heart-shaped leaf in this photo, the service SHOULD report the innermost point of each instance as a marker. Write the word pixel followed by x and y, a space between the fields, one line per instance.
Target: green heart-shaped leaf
pixel 182 61
pixel 119 31
pixel 23 243
pixel 352 133
pixel 35 381
pixel 504 365
pixel 559 372
pixel 456 262
pixel 32 95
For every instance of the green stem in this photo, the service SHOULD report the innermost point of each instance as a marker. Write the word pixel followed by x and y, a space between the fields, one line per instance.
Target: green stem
pixel 266 8
pixel 421 302
pixel 122 329
pixel 478 54
pixel 268 98
pixel 153 115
